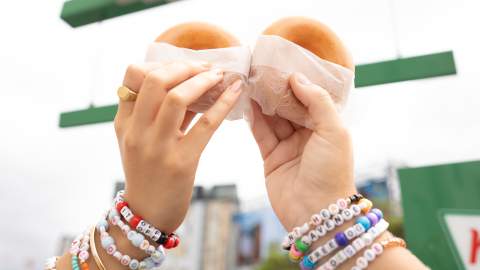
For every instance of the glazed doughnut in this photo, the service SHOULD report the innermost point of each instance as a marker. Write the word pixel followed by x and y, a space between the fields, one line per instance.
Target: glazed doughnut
pixel 313 36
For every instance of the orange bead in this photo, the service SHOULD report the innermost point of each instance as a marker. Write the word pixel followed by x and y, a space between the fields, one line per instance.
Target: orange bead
pixel 84 266
pixel 366 205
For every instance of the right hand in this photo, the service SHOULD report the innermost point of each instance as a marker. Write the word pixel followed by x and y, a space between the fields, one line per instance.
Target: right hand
pixel 159 158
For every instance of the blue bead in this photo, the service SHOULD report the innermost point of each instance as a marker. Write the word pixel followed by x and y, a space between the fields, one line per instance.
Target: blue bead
pixel 377 212
pixel 107 241
pixel 307 263
pixel 341 239
pixel 364 221
pixel 102 223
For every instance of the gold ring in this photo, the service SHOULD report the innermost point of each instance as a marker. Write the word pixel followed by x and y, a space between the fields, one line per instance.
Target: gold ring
pixel 125 94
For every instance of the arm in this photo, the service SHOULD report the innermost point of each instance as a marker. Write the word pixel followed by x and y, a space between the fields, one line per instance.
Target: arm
pixel 159 156
pixel 306 170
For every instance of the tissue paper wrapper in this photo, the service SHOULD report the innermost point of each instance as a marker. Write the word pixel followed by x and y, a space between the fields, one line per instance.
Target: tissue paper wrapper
pixel 274 59
pixel 235 61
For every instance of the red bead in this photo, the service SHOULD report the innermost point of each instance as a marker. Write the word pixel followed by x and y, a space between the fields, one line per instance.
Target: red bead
pixel 169 243
pixel 134 221
pixel 177 242
pixel 120 205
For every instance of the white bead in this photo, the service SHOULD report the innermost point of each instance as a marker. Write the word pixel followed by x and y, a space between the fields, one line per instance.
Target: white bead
pixel 304 229
pixel 150 250
pixel 325 214
pixel 333 262
pixel 377 248
pixel 342 204
pixel 111 249
pixel 329 225
pixel 369 255
pixel 316 219
pixel 125 260
pixel 133 264
pixel 332 244
pixel 356 268
pixel 145 244
pixel 338 219
pixel 83 255
pixel 126 213
pixel 156 235
pixel 359 229
pixel 358 244
pixel 341 256
pixel 297 232
pixel 142 226
pixel 368 238
pixel 349 251
pixel 315 256
pixel 117 255
pixel 350 233
pixel 356 209
pixel 362 262
pixel 347 214
pixel 313 234
pixel 306 240
pixel 333 209
pixel 321 230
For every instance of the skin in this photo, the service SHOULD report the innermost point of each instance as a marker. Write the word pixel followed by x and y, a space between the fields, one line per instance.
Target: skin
pixel 305 170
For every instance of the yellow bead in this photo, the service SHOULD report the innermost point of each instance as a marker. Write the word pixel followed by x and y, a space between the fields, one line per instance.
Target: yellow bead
pixel 366 205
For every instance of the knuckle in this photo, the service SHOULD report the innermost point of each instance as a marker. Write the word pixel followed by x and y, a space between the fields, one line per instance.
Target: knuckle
pixel 207 123
pixel 173 98
pixel 134 72
pixel 156 79
pixel 131 143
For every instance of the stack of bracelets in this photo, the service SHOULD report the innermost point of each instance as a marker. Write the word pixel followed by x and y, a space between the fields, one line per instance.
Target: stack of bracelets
pixel 133 227
pixel 368 226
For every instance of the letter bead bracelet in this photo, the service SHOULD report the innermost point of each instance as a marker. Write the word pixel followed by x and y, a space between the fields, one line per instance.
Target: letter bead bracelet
pixel 375 250
pixel 339 211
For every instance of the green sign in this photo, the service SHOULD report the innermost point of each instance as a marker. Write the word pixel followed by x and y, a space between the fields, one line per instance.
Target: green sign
pixel 81 12
pixel 441 207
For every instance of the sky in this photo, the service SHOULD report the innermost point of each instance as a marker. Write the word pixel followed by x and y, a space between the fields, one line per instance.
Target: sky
pixel 57 181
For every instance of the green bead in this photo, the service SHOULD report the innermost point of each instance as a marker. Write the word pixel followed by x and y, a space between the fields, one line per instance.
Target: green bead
pixel 302 247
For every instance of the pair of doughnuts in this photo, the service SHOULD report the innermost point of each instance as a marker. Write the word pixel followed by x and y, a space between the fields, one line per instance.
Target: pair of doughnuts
pixel 307 33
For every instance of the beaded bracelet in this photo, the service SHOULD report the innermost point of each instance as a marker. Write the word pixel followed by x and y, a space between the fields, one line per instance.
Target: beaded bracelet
pixel 329 216
pixel 357 245
pixel 137 239
pixel 302 245
pixel 141 226
pixel 342 239
pixel 108 243
pixel 79 251
pixel 376 250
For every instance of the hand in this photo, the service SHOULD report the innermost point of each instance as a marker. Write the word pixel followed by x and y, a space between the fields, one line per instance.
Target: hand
pixel 305 170
pixel 159 157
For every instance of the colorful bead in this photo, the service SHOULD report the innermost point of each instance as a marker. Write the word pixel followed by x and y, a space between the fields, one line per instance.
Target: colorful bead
pixel 366 205
pixel 377 212
pixel 341 239
pixel 302 247
pixel 373 218
pixel 364 221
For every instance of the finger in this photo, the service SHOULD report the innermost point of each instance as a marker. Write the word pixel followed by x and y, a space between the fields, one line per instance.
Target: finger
pixel 199 135
pixel 133 79
pixel 262 131
pixel 172 112
pixel 318 102
pixel 187 120
pixel 282 127
pixel 157 83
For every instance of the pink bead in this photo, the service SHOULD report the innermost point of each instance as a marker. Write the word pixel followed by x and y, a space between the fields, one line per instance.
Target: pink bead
pixel 74 250
pixel 125 260
pixel 83 255
pixel 111 249
pixel 117 255
pixel 295 252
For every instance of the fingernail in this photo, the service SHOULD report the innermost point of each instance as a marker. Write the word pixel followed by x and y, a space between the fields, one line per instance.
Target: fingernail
pixel 302 79
pixel 236 86
pixel 203 64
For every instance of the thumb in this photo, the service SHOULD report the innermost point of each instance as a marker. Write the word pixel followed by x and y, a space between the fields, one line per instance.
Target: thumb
pixel 318 101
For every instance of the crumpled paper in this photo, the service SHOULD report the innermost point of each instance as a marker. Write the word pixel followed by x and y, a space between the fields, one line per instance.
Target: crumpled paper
pixel 265 74
pixel 274 59
pixel 234 61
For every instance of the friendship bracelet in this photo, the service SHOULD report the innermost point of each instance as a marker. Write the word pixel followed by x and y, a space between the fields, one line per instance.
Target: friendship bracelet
pixel 93 247
pixel 342 239
pixel 108 243
pixel 137 239
pixel 79 251
pixel 333 210
pixel 51 263
pixel 376 250
pixel 357 245
pixel 140 225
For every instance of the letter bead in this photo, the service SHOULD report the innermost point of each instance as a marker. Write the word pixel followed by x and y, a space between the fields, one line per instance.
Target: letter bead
pixel 350 233
pixel 377 248
pixel 338 219
pixel 316 219
pixel 333 209
pixel 369 255
pixel 347 214
pixel 321 230
pixel 342 204
pixel 325 214
pixel 356 210
pixel 349 251
pixel 329 225
pixel 362 263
